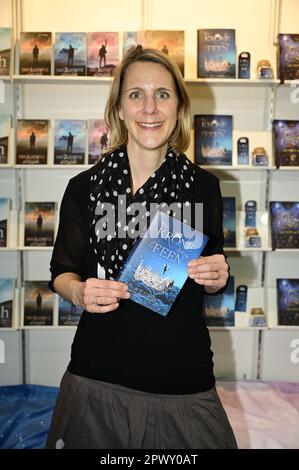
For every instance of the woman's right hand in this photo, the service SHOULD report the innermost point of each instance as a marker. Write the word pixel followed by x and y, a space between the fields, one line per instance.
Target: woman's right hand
pixel 99 295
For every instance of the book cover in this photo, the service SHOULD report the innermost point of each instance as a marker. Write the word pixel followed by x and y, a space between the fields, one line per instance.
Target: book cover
pixel 32 141
pixel 98 139
pixel 287 301
pixel 5 50
pixel 216 53
pixel 70 54
pixel 35 53
pixel 229 221
pixel 39 223
pixel 4 220
pixel 288 56
pixel 219 310
pixel 286 142
pixel 69 142
pixel 38 304
pixel 102 53
pixel 4 132
pixel 284 217
pixel 6 302
pixel 213 139
pixel 156 268
pixel 169 42
pixel 68 313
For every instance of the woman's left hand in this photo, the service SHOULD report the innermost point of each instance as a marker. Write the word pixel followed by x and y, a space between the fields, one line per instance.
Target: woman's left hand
pixel 209 271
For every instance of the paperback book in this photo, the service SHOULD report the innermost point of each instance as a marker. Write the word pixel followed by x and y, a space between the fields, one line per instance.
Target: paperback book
pixel 229 221
pixel 5 50
pixel 4 220
pixel 69 142
pixel 102 53
pixel 286 142
pixel 6 302
pixel 35 53
pixel 288 301
pixel 68 313
pixel 219 310
pixel 98 139
pixel 213 139
pixel 70 54
pixel 39 223
pixel 288 56
pixel 216 53
pixel 32 141
pixel 284 217
pixel 4 132
pixel 38 304
pixel 156 268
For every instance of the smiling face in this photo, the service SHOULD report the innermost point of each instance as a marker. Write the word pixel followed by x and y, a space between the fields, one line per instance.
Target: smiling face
pixel 148 105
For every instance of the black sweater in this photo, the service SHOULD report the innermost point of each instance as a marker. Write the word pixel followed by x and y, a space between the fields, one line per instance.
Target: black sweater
pixel 133 346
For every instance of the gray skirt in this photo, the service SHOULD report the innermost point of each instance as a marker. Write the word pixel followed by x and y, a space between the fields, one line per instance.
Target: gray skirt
pixel 90 414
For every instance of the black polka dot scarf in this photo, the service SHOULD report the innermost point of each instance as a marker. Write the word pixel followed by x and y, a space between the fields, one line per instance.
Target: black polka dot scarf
pixel 173 182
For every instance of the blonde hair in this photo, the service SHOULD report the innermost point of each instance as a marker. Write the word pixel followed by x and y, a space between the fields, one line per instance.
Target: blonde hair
pixel 180 137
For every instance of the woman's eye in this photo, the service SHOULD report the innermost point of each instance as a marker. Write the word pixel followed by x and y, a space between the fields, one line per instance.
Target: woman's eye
pixel 162 95
pixel 135 95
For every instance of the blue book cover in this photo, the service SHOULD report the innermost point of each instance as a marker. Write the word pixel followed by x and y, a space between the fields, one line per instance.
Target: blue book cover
pixel 70 53
pixel 156 268
pixel 213 139
pixel 284 216
pixel 229 221
pixel 6 302
pixel 219 310
pixel 68 313
pixel 216 53
pixel 69 141
pixel 288 301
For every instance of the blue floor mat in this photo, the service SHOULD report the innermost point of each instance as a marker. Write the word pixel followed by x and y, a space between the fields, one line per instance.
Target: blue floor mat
pixel 25 415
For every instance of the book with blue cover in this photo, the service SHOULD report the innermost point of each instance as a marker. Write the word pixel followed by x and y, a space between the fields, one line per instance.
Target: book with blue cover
pixel 219 310
pixel 156 268
pixel 229 221
pixel 68 313
pixel 216 53
pixel 288 301
pixel 213 139
pixel 284 217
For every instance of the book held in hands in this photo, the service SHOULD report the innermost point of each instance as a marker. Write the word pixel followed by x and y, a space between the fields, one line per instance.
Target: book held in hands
pixel 156 268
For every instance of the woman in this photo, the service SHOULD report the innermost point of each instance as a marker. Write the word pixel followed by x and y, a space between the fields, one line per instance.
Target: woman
pixel 137 379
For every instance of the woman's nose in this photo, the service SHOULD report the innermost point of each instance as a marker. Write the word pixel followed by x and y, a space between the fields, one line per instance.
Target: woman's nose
pixel 150 105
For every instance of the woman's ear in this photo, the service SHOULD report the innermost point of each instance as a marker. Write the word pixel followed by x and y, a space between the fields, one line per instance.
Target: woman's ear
pixel 120 112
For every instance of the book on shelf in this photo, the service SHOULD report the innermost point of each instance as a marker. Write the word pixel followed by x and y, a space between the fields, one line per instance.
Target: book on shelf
pixel 156 268
pixel 6 302
pixel 5 50
pixel 219 310
pixel 170 42
pixel 38 304
pixel 35 53
pixel 288 56
pixel 229 221
pixel 102 53
pixel 68 313
pixel 32 141
pixel 213 139
pixel 4 221
pixel 286 142
pixel 284 217
pixel 98 139
pixel 69 141
pixel 39 224
pixel 4 133
pixel 70 54
pixel 287 301
pixel 216 57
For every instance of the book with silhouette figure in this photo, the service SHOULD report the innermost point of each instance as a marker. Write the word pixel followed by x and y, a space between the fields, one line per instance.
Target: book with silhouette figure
pixel 39 223
pixel 38 304
pixel 156 268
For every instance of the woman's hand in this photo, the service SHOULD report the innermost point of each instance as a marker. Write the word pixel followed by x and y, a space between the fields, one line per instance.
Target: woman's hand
pixel 99 295
pixel 209 271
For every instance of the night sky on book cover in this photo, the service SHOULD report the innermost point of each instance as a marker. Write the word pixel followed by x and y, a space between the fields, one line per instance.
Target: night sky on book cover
pixel 286 142
pixel 157 266
pixel 288 301
pixel 219 310
pixel 213 139
pixel 284 218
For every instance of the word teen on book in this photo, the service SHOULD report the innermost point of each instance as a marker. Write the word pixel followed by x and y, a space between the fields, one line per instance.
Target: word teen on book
pixel 132 221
